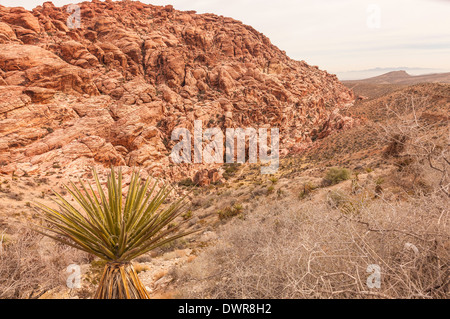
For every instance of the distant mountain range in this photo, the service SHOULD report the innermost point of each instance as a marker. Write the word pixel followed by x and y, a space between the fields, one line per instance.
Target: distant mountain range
pixel 369 73
pixel 402 77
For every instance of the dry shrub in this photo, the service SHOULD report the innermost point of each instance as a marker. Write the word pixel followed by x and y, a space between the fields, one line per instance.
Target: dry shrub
pixel 419 142
pixel 336 175
pixel 31 265
pixel 396 145
pixel 313 250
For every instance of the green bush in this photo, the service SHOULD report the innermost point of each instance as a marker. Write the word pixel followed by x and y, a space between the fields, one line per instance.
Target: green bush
pixel 306 190
pixel 186 182
pixel 230 170
pixel 337 199
pixel 187 215
pixel 336 175
pixel 229 212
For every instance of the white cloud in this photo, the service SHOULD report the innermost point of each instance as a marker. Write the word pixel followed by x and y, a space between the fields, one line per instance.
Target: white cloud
pixel 333 33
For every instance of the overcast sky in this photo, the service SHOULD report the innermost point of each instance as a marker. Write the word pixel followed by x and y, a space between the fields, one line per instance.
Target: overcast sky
pixel 338 35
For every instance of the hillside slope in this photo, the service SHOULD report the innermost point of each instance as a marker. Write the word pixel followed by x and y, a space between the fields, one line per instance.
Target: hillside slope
pixel 363 145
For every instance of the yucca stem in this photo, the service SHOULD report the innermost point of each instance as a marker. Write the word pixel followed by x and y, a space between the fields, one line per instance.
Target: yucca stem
pixel 120 281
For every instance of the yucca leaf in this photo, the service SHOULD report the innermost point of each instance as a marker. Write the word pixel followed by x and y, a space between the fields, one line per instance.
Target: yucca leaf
pixel 103 203
pixel 94 223
pixel 107 226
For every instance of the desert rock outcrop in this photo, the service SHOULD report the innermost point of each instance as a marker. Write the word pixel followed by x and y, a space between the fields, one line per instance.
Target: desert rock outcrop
pixel 113 90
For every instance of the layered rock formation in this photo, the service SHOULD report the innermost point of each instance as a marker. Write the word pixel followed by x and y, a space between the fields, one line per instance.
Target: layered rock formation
pixel 113 90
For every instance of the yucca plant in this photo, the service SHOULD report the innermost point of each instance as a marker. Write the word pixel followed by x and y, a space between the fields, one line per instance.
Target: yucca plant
pixel 114 228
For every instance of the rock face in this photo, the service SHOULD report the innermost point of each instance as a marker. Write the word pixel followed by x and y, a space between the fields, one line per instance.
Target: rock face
pixel 113 90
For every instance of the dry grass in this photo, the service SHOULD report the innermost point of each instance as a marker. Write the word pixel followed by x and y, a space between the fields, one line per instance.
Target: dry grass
pixel 419 145
pixel 31 265
pixel 327 245
pixel 316 244
pixel 313 250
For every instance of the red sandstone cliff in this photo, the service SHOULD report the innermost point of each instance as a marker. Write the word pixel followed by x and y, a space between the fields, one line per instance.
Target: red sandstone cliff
pixel 113 90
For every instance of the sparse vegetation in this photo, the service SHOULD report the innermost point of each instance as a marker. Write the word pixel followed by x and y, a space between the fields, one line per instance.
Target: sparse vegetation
pixel 56 165
pixel 230 212
pixel 186 182
pixel 393 215
pixel 336 175
pixel 27 270
pixel 418 145
pixel 312 236
pixel 306 190
pixel 314 250
pixel 187 215
pixel 230 170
